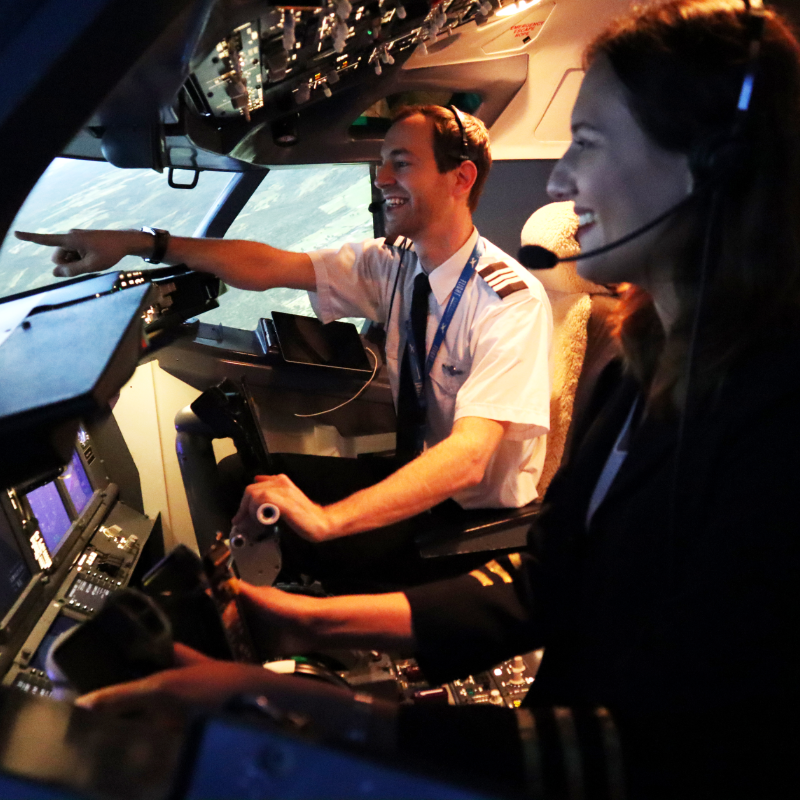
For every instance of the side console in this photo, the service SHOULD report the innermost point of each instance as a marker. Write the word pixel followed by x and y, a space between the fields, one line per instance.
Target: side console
pixel 65 545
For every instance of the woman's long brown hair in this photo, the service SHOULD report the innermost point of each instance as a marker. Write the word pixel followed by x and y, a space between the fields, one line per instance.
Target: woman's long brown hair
pixel 682 65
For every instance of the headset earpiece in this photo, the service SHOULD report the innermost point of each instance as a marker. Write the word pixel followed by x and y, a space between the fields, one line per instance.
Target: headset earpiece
pixel 719 158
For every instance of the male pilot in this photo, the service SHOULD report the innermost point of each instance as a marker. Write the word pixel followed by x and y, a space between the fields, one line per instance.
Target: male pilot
pixel 472 399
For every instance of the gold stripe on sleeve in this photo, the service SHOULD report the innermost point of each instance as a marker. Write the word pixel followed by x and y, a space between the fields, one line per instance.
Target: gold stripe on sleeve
pixel 484 580
pixel 493 566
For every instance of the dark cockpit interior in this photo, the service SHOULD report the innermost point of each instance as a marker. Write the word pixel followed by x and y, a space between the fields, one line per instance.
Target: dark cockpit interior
pixel 135 404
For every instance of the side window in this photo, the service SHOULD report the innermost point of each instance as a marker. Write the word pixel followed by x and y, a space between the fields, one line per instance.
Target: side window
pixel 299 209
pixel 94 194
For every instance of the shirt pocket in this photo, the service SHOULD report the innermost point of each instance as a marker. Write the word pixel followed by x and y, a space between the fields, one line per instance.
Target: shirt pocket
pixel 449 375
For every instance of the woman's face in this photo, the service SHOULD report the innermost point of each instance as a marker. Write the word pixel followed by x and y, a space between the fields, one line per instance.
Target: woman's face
pixel 619 179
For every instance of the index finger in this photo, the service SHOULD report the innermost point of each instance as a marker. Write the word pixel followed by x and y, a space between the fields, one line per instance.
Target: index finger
pixel 243 512
pixel 123 697
pixel 49 239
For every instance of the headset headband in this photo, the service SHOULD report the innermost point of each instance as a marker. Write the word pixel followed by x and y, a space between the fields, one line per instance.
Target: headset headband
pixel 755 24
pixel 464 154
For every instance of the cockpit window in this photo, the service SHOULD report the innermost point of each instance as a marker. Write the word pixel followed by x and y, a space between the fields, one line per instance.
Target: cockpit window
pixel 94 194
pixel 299 209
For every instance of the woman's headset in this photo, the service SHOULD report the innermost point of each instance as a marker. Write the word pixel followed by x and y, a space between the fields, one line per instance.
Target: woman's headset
pixel 714 163
pixel 721 156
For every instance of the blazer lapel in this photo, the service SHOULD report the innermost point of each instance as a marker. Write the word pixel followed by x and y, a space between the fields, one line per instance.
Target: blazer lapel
pixel 591 455
pixel 601 437
pixel 641 461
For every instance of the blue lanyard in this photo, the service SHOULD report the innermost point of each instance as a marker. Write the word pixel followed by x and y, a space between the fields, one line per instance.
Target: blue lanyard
pixel 441 331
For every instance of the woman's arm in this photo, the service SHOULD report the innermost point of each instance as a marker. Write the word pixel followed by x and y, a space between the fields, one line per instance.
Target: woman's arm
pixel 333 714
pixel 369 622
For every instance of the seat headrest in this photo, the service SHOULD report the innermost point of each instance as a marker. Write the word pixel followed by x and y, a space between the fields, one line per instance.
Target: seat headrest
pixel 553 226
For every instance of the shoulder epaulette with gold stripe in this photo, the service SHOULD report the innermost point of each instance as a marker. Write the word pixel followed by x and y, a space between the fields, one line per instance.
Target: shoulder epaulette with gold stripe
pixel 502 279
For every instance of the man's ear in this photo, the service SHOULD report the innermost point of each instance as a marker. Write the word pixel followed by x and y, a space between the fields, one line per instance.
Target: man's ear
pixel 466 175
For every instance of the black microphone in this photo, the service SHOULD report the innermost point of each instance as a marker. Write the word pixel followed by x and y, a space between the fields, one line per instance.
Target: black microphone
pixel 533 256
pixel 376 206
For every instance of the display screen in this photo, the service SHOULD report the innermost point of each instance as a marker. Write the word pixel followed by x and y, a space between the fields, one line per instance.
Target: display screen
pixel 305 340
pixel 77 482
pixel 51 513
pixel 14 572
pixel 60 624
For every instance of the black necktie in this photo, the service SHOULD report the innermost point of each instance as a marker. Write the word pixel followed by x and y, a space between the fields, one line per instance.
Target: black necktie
pixel 410 414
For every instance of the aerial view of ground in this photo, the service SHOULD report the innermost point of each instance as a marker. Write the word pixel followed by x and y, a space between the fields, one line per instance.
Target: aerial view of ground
pixel 304 208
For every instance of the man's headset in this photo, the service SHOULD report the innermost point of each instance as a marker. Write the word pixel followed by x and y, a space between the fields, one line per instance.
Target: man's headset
pixel 463 154
pixel 711 161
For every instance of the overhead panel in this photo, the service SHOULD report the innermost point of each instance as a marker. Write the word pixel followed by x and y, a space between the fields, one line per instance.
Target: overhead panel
pixel 286 86
pixel 317 81
pixel 292 56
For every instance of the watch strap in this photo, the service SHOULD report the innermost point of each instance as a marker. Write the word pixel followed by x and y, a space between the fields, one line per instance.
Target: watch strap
pixel 160 244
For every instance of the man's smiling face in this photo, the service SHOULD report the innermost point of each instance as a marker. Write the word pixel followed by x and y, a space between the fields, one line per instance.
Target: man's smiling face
pixel 412 186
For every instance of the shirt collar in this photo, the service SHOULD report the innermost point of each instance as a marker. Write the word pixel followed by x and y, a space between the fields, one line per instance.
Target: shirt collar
pixel 445 277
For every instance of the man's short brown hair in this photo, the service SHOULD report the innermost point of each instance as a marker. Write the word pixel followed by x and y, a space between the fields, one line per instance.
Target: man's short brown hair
pixel 447 145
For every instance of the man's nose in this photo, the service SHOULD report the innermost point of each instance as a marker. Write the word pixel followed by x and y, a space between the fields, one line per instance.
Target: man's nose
pixel 384 176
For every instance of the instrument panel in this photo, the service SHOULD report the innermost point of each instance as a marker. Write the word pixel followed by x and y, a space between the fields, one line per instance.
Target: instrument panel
pixel 66 542
pixel 294 55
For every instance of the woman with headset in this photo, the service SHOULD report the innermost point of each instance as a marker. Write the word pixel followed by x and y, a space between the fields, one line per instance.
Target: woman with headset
pixel 663 575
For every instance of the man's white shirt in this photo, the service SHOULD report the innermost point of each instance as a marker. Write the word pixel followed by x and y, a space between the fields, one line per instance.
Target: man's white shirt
pixel 494 362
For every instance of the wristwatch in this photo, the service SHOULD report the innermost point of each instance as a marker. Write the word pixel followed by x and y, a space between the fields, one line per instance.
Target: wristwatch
pixel 160 243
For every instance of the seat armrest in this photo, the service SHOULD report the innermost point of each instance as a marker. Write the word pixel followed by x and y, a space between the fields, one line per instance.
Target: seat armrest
pixel 482 530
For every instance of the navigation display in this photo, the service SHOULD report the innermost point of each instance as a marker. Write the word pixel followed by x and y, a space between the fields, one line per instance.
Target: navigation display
pixel 77 483
pixel 14 572
pixel 53 518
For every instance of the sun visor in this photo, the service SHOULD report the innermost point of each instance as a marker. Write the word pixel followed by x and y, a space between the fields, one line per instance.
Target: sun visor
pixel 65 351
